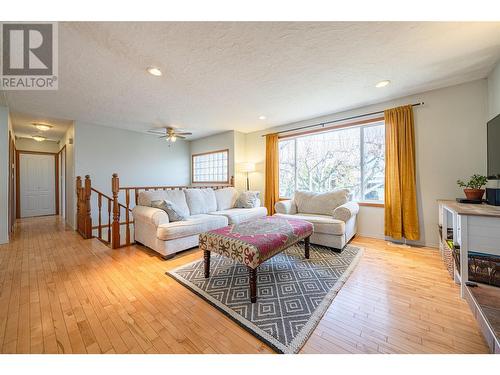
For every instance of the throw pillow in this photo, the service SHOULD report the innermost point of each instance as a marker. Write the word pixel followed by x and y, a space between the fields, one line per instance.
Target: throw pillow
pixel 173 211
pixel 248 199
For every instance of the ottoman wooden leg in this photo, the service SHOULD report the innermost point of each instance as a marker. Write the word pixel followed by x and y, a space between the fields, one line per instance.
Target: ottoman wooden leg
pixel 206 257
pixel 306 247
pixel 253 284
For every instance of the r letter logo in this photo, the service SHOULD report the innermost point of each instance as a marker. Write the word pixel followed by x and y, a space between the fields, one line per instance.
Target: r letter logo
pixel 29 56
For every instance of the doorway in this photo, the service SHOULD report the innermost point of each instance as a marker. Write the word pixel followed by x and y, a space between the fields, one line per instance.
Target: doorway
pixel 37 184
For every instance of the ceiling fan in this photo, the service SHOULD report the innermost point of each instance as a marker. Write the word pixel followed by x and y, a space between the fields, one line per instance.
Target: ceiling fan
pixel 170 134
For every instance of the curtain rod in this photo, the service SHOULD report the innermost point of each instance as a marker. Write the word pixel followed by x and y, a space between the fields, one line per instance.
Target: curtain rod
pixel 334 121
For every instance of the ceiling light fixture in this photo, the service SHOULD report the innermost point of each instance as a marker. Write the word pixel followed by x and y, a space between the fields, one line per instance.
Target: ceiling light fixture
pixel 383 83
pixel 38 138
pixel 262 117
pixel 154 71
pixel 42 127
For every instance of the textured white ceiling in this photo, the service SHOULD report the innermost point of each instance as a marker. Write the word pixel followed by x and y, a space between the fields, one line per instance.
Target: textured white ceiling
pixel 22 123
pixel 220 76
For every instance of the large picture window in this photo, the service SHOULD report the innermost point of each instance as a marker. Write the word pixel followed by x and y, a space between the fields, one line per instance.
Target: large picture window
pixel 210 167
pixel 350 157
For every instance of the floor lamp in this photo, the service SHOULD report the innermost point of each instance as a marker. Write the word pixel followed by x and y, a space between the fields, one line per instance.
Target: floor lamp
pixel 247 168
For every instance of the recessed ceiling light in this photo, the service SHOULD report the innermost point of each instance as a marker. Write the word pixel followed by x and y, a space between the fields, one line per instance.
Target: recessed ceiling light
pixel 154 71
pixel 38 138
pixel 42 127
pixel 262 117
pixel 382 83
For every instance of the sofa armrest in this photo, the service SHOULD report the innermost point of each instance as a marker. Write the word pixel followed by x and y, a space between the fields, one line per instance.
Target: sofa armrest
pixel 286 207
pixel 150 215
pixel 346 211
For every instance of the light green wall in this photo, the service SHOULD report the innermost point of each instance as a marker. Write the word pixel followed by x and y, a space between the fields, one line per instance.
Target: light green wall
pixel 234 141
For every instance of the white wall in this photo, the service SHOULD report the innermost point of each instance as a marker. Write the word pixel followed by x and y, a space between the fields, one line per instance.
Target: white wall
pixel 28 144
pixel 139 159
pixel 4 174
pixel 70 176
pixel 450 131
pixel 494 92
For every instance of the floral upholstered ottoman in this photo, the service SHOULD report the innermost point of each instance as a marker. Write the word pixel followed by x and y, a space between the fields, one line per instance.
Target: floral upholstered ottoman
pixel 253 242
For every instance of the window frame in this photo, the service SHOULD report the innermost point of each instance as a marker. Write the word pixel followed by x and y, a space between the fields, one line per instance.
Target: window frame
pixel 226 151
pixel 362 124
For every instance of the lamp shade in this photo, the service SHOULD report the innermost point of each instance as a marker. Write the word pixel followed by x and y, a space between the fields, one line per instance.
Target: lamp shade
pixel 247 167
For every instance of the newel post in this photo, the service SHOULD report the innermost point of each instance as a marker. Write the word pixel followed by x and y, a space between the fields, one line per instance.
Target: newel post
pixel 78 204
pixel 87 212
pixel 115 227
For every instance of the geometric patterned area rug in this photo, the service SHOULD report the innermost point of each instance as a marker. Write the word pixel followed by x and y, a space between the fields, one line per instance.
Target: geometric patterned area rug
pixel 293 293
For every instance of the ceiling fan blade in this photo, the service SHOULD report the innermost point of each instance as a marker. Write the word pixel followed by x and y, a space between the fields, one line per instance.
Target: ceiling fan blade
pixel 164 136
pixel 180 136
pixel 156 130
pixel 185 133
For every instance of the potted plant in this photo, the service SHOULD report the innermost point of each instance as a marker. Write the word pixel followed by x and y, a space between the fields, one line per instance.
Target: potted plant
pixel 473 188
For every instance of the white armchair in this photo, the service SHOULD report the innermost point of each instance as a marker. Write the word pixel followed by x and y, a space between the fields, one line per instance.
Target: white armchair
pixel 331 214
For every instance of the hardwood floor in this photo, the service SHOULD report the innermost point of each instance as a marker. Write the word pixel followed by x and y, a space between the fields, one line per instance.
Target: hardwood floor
pixel 62 294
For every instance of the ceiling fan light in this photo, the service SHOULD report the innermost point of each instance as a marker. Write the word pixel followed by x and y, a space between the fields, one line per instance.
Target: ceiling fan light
pixel 173 138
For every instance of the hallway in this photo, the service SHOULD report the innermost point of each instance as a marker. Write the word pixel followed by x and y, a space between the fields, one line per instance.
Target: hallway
pixel 62 294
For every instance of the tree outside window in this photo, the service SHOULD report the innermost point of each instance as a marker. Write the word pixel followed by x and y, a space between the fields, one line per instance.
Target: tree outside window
pixel 351 158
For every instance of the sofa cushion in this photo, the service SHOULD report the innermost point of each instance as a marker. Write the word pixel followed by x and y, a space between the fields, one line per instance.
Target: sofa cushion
pixel 226 198
pixel 174 213
pixel 322 223
pixel 177 197
pixel 320 203
pixel 193 225
pixel 201 201
pixel 248 199
pixel 239 215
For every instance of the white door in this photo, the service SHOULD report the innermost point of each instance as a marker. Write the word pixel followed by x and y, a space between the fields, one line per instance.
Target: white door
pixel 37 184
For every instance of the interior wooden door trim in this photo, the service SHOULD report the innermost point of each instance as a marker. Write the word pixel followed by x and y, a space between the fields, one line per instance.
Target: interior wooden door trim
pixel 62 152
pixel 12 198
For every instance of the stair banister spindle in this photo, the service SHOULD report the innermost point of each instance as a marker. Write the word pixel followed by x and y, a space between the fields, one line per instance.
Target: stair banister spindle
pixel 127 216
pixel 78 204
pixel 99 204
pixel 115 229
pixel 109 221
pixel 87 210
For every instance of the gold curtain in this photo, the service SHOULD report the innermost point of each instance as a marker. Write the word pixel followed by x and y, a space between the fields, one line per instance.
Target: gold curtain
pixel 272 173
pixel 401 215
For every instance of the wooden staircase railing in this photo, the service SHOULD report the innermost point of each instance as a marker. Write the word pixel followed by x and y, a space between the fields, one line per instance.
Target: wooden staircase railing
pixel 84 212
pixel 109 232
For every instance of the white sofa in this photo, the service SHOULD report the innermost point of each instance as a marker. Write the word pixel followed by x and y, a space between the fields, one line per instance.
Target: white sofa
pixel 332 215
pixel 205 209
